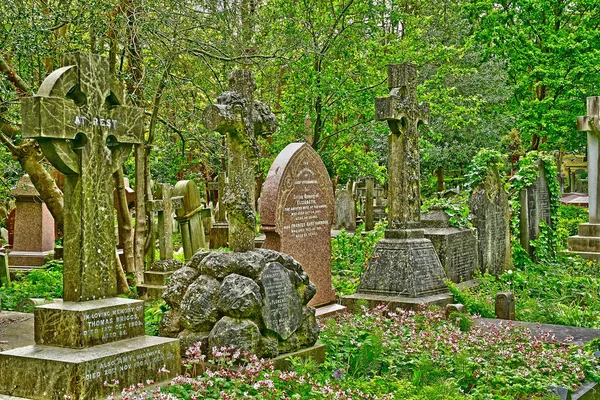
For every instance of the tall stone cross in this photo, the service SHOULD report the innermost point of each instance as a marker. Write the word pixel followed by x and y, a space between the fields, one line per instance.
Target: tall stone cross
pixel 241 118
pixel 591 124
pixel 85 130
pixel 403 114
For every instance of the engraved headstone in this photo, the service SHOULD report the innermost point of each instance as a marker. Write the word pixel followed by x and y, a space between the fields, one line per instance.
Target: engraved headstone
pixel 345 211
pixel 241 118
pixel 85 130
pixel 535 208
pixel 490 214
pixel 296 212
pixel 33 228
pixel 587 242
pixel 219 234
pixel 404 264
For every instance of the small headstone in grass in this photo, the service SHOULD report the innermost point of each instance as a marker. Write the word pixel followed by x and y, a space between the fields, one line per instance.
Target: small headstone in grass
pixel 505 306
pixel 454 308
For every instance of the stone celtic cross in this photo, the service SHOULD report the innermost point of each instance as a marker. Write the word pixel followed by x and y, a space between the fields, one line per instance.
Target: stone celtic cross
pixel 241 118
pixel 84 129
pixel 403 114
pixel 591 124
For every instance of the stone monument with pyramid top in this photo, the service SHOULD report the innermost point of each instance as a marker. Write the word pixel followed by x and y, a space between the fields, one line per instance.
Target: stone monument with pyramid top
pixel 404 270
pixel 86 131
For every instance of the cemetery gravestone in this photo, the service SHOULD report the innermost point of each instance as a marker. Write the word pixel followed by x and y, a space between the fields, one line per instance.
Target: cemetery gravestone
pixel 490 215
pixel 81 124
pixel 296 212
pixel 404 268
pixel 10 226
pixel 33 228
pixel 189 216
pixel 219 234
pixel 505 306
pixel 4 272
pixel 369 198
pixel 456 247
pixel 238 116
pixel 345 211
pixel 587 242
pixel 535 208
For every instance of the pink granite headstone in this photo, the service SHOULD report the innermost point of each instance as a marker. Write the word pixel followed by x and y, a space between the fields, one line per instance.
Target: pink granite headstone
pixel 33 229
pixel 296 211
pixel 10 226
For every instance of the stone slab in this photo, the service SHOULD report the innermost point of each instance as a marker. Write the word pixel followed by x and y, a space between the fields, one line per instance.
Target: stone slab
pixel 16 330
pixel 316 352
pixel 457 251
pixel 90 323
pixel 355 301
pixel 147 292
pixel 28 259
pixel 329 311
pixel 47 372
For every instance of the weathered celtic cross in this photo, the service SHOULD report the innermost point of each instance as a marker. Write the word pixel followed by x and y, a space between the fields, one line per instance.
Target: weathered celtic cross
pixel 403 114
pixel 80 121
pixel 591 124
pixel 241 118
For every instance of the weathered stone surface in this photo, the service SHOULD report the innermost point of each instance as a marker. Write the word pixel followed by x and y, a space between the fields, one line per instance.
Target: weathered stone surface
pixel 189 217
pixel 188 339
pixel 535 208
pixel 273 295
pixel 197 259
pixel 170 324
pixel 242 334
pixel 166 265
pixel 199 305
pixel 457 250
pixel 90 323
pixel 239 297
pixel 345 211
pixel 55 373
pixel 505 306
pixel 238 116
pixel 490 214
pixel 296 214
pixel 178 284
pixel 454 308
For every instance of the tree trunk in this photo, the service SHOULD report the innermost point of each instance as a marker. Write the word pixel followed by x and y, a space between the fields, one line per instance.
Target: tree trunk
pixel 439 173
pixel 122 285
pixel 124 222
pixel 141 226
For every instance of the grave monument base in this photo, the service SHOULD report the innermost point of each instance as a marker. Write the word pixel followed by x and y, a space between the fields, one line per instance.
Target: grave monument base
pixel 48 372
pixel 404 264
pixel 587 243
pixel 154 284
pixel 356 300
pixel 26 260
pixel 316 353
pixel 219 235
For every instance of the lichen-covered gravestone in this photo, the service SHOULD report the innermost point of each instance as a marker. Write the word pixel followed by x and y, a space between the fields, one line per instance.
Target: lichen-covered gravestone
pixel 345 210
pixel 404 268
pixel 296 212
pixel 535 209
pixel 189 215
pixel 490 214
pixel 255 301
pixel 85 130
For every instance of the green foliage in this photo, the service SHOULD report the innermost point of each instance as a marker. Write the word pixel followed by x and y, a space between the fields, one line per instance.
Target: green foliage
pixel 153 314
pixel 569 218
pixel 527 174
pixel 44 283
pixel 483 161
pixel 350 254
pixel 456 207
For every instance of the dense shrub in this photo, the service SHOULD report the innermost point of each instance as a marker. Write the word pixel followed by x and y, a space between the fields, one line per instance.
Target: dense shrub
pixel 38 283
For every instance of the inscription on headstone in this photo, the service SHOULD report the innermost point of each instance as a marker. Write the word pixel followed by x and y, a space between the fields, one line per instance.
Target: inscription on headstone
pixel 296 214
pixel 535 208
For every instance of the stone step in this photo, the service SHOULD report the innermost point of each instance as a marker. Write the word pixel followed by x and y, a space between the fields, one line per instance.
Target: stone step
pixel 584 244
pixel 589 230
pixel 587 255
pixel 156 278
pixel 146 291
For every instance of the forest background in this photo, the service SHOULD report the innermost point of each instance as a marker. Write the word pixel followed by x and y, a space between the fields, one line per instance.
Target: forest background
pixel 505 75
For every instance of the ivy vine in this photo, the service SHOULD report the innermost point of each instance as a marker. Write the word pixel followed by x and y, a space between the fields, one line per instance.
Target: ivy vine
pixel 545 245
pixel 483 161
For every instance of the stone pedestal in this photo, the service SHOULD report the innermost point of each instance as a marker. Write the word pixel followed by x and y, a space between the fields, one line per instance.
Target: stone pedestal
pixel 587 243
pixel 81 345
pixel 219 235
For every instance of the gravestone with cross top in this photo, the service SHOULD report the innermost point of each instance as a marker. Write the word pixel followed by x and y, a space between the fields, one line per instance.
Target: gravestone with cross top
pixel 403 114
pixel 164 205
pixel 587 242
pixel 241 118
pixel 80 119
pixel 86 131
pixel 404 264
